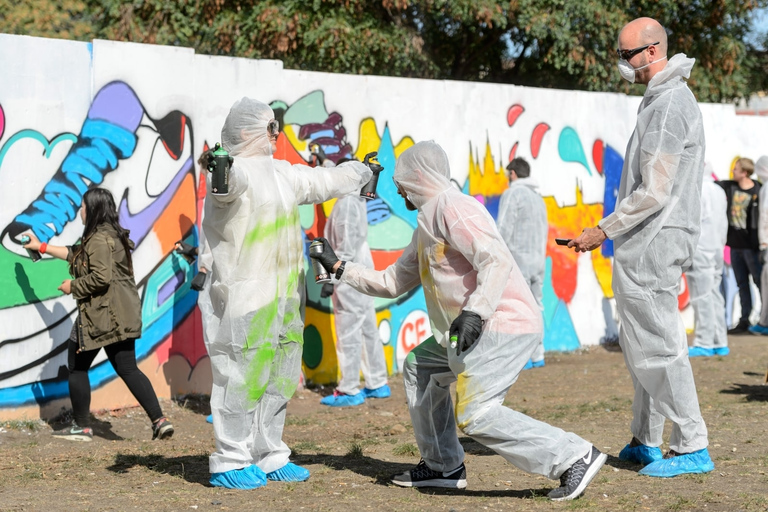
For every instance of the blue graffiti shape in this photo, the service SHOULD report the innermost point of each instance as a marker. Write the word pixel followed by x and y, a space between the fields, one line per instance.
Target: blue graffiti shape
pixel 612 166
pixel 378 211
pixel 106 137
pixel 570 148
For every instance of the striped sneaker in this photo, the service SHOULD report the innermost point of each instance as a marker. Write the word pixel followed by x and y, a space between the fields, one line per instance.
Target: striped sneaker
pixel 162 429
pixel 423 476
pixel 75 433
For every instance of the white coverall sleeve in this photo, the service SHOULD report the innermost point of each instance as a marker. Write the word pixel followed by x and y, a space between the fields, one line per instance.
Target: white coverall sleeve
pixel 762 223
pixel 314 185
pixel 346 230
pixel 400 277
pixel 238 183
pixel 474 235
pixel 661 148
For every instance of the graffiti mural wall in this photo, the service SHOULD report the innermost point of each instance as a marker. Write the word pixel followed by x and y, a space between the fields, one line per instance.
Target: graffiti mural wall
pixel 135 118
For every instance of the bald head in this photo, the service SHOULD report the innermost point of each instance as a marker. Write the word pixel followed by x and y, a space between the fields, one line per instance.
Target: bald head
pixel 644 31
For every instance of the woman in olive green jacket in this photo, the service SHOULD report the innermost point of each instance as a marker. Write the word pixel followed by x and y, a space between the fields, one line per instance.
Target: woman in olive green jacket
pixel 109 312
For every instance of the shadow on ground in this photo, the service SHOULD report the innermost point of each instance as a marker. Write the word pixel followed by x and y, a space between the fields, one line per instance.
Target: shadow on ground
pixel 192 468
pixel 753 393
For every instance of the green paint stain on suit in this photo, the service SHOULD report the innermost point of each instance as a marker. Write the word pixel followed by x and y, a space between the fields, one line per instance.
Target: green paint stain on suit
pixel 257 377
pixel 269 230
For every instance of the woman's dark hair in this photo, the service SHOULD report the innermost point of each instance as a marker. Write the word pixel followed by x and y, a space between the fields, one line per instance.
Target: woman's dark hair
pixel 100 209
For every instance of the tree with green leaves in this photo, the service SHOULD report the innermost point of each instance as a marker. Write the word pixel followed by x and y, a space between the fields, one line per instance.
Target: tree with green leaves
pixel 541 43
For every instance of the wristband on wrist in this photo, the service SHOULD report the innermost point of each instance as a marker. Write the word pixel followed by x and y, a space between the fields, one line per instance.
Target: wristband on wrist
pixel 43 248
pixel 340 271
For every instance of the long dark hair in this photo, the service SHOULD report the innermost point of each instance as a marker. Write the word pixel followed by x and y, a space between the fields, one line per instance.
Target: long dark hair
pixel 100 209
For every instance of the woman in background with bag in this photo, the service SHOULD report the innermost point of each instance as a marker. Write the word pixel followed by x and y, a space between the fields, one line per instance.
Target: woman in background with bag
pixel 109 312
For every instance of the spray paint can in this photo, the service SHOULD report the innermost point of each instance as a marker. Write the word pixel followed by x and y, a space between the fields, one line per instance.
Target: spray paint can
pixel 33 255
pixel 219 168
pixel 321 275
pixel 369 190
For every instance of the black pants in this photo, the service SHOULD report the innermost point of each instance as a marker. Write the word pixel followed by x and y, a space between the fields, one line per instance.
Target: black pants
pixel 122 356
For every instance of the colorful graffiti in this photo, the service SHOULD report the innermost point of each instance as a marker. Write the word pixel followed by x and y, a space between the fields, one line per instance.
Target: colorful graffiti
pixel 158 201
pixel 114 127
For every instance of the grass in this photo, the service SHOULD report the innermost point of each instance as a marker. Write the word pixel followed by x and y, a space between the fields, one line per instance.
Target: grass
pixel 681 504
pixel 355 451
pixel 305 446
pixel 293 420
pixel 31 425
pixel 409 449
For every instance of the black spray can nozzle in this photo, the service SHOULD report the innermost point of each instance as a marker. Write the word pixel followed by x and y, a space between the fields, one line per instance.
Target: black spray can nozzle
pixel 369 190
pixel 33 255
pixel 219 166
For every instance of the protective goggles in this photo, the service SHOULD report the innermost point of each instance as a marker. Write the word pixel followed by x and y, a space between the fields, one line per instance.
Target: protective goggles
pixel 273 128
pixel 628 54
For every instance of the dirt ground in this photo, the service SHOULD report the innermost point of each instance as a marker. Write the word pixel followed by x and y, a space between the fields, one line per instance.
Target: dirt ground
pixel 352 452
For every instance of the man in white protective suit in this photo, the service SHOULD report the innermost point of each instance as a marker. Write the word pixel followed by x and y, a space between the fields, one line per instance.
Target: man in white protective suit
pixel 486 325
pixel 357 335
pixel 253 307
pixel 522 222
pixel 655 227
pixel 706 273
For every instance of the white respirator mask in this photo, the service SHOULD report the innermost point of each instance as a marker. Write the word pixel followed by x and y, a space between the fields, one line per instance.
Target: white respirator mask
pixel 628 72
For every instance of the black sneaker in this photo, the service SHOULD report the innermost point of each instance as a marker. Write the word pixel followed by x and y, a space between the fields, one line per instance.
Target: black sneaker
pixel 577 477
pixel 740 328
pixel 74 433
pixel 422 476
pixel 162 429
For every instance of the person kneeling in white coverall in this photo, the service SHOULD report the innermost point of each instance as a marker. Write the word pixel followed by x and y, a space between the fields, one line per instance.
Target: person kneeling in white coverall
pixel 253 308
pixel 476 295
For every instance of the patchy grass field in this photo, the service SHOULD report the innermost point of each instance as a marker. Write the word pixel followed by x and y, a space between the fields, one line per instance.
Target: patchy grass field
pixel 352 452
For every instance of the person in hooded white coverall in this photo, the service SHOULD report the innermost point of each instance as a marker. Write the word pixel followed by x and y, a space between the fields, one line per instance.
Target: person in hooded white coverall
pixel 466 270
pixel 706 273
pixel 655 227
pixel 252 308
pixel 761 168
pixel 522 222
pixel 357 335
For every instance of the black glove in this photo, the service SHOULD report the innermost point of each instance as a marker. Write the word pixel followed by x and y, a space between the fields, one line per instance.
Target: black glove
pixel 186 250
pixel 205 159
pixel 199 281
pixel 467 328
pixel 372 163
pixel 327 258
pixel 317 154
pixel 326 291
pixel 763 256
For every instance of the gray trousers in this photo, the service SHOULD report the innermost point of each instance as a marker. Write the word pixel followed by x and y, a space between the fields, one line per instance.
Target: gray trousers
pixel 483 375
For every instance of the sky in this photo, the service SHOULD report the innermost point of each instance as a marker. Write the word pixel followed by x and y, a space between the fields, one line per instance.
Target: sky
pixel 759 26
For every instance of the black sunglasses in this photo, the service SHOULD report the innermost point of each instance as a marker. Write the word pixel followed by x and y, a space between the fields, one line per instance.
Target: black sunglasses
pixel 628 54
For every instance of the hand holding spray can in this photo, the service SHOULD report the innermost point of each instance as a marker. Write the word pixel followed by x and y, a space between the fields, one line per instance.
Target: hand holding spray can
pixel 33 255
pixel 369 190
pixel 321 275
pixel 219 165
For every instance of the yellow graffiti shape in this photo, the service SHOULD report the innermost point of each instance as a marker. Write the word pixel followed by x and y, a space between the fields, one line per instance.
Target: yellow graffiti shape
pixel 491 180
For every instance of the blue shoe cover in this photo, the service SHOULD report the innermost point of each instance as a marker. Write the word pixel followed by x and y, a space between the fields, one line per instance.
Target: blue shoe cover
pixel 537 364
pixel 696 462
pixel 209 418
pixel 722 351
pixel 289 473
pixel 247 478
pixel 341 400
pixel 759 330
pixel 641 454
pixel 528 365
pixel 700 352
pixel 380 392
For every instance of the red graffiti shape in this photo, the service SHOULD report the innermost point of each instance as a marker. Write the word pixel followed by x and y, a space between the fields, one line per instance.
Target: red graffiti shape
pixel 512 152
pixel 2 122
pixel 513 113
pixel 597 155
pixel 536 137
